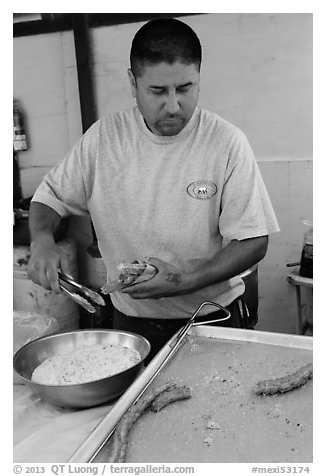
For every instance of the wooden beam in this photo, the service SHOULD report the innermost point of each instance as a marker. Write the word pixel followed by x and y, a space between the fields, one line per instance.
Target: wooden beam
pixel 83 59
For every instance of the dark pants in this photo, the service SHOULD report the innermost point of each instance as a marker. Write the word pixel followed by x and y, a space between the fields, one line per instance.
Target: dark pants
pixel 159 331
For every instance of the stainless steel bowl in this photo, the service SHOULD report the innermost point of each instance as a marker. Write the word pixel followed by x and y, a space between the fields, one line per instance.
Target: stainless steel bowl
pixel 84 395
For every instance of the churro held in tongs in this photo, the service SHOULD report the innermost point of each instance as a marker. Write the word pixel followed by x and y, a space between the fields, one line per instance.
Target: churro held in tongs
pixel 85 297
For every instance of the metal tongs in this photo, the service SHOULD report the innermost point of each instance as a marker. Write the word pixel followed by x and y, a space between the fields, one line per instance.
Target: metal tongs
pixel 85 297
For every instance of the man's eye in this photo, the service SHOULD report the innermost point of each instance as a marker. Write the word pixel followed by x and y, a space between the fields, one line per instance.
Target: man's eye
pixel 157 92
pixel 184 89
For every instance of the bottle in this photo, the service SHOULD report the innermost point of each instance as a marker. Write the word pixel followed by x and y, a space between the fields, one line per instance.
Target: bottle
pixel 306 263
pixel 20 142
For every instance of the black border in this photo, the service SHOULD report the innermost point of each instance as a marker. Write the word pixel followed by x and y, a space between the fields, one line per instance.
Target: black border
pixel 56 22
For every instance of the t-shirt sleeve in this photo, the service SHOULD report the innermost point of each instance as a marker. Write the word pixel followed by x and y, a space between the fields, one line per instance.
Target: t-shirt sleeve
pixel 67 187
pixel 246 210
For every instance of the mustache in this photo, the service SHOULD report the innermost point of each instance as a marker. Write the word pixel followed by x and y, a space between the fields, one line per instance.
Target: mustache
pixel 172 116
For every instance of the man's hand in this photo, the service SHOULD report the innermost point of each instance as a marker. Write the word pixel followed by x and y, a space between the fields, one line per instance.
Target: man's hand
pixel 236 257
pixel 169 281
pixel 45 260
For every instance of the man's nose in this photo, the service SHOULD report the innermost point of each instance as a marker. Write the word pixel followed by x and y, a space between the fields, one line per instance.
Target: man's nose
pixel 172 103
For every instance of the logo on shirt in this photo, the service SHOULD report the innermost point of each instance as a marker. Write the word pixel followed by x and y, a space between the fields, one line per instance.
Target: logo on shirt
pixel 202 189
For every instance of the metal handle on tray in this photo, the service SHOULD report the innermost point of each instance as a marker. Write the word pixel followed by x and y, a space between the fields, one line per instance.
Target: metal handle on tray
pixel 227 314
pixel 183 331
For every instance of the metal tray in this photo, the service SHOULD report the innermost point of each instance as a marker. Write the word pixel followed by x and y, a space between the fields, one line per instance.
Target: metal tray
pixel 94 447
pixel 262 337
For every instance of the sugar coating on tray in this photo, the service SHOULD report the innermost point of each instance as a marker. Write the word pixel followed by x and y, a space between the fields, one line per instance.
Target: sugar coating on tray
pixel 85 364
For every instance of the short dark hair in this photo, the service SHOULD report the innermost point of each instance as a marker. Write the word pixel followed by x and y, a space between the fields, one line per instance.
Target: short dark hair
pixel 164 40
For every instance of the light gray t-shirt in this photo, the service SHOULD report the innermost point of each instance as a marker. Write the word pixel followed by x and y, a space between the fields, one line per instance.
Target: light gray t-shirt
pixel 179 198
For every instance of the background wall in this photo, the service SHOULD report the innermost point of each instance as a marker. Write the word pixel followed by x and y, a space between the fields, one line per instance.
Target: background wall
pixel 257 73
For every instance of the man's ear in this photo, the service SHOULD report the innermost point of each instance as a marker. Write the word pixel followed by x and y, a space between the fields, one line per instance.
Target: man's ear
pixel 132 82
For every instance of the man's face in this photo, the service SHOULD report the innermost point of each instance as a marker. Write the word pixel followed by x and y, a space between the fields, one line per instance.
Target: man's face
pixel 166 95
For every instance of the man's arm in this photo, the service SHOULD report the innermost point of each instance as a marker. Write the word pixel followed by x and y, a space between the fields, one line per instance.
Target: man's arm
pixel 232 260
pixel 46 257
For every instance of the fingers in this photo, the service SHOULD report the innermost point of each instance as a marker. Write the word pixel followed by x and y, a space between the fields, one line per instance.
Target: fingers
pixel 144 295
pixel 43 266
pixel 136 291
pixel 145 290
pixel 65 265
pixel 51 274
pixel 44 273
pixel 168 281
pixel 154 262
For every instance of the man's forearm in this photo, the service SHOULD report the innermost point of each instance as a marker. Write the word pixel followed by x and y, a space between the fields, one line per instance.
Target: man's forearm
pixel 231 261
pixel 43 220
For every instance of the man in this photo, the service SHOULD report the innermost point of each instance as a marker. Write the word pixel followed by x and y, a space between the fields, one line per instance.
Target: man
pixel 167 182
